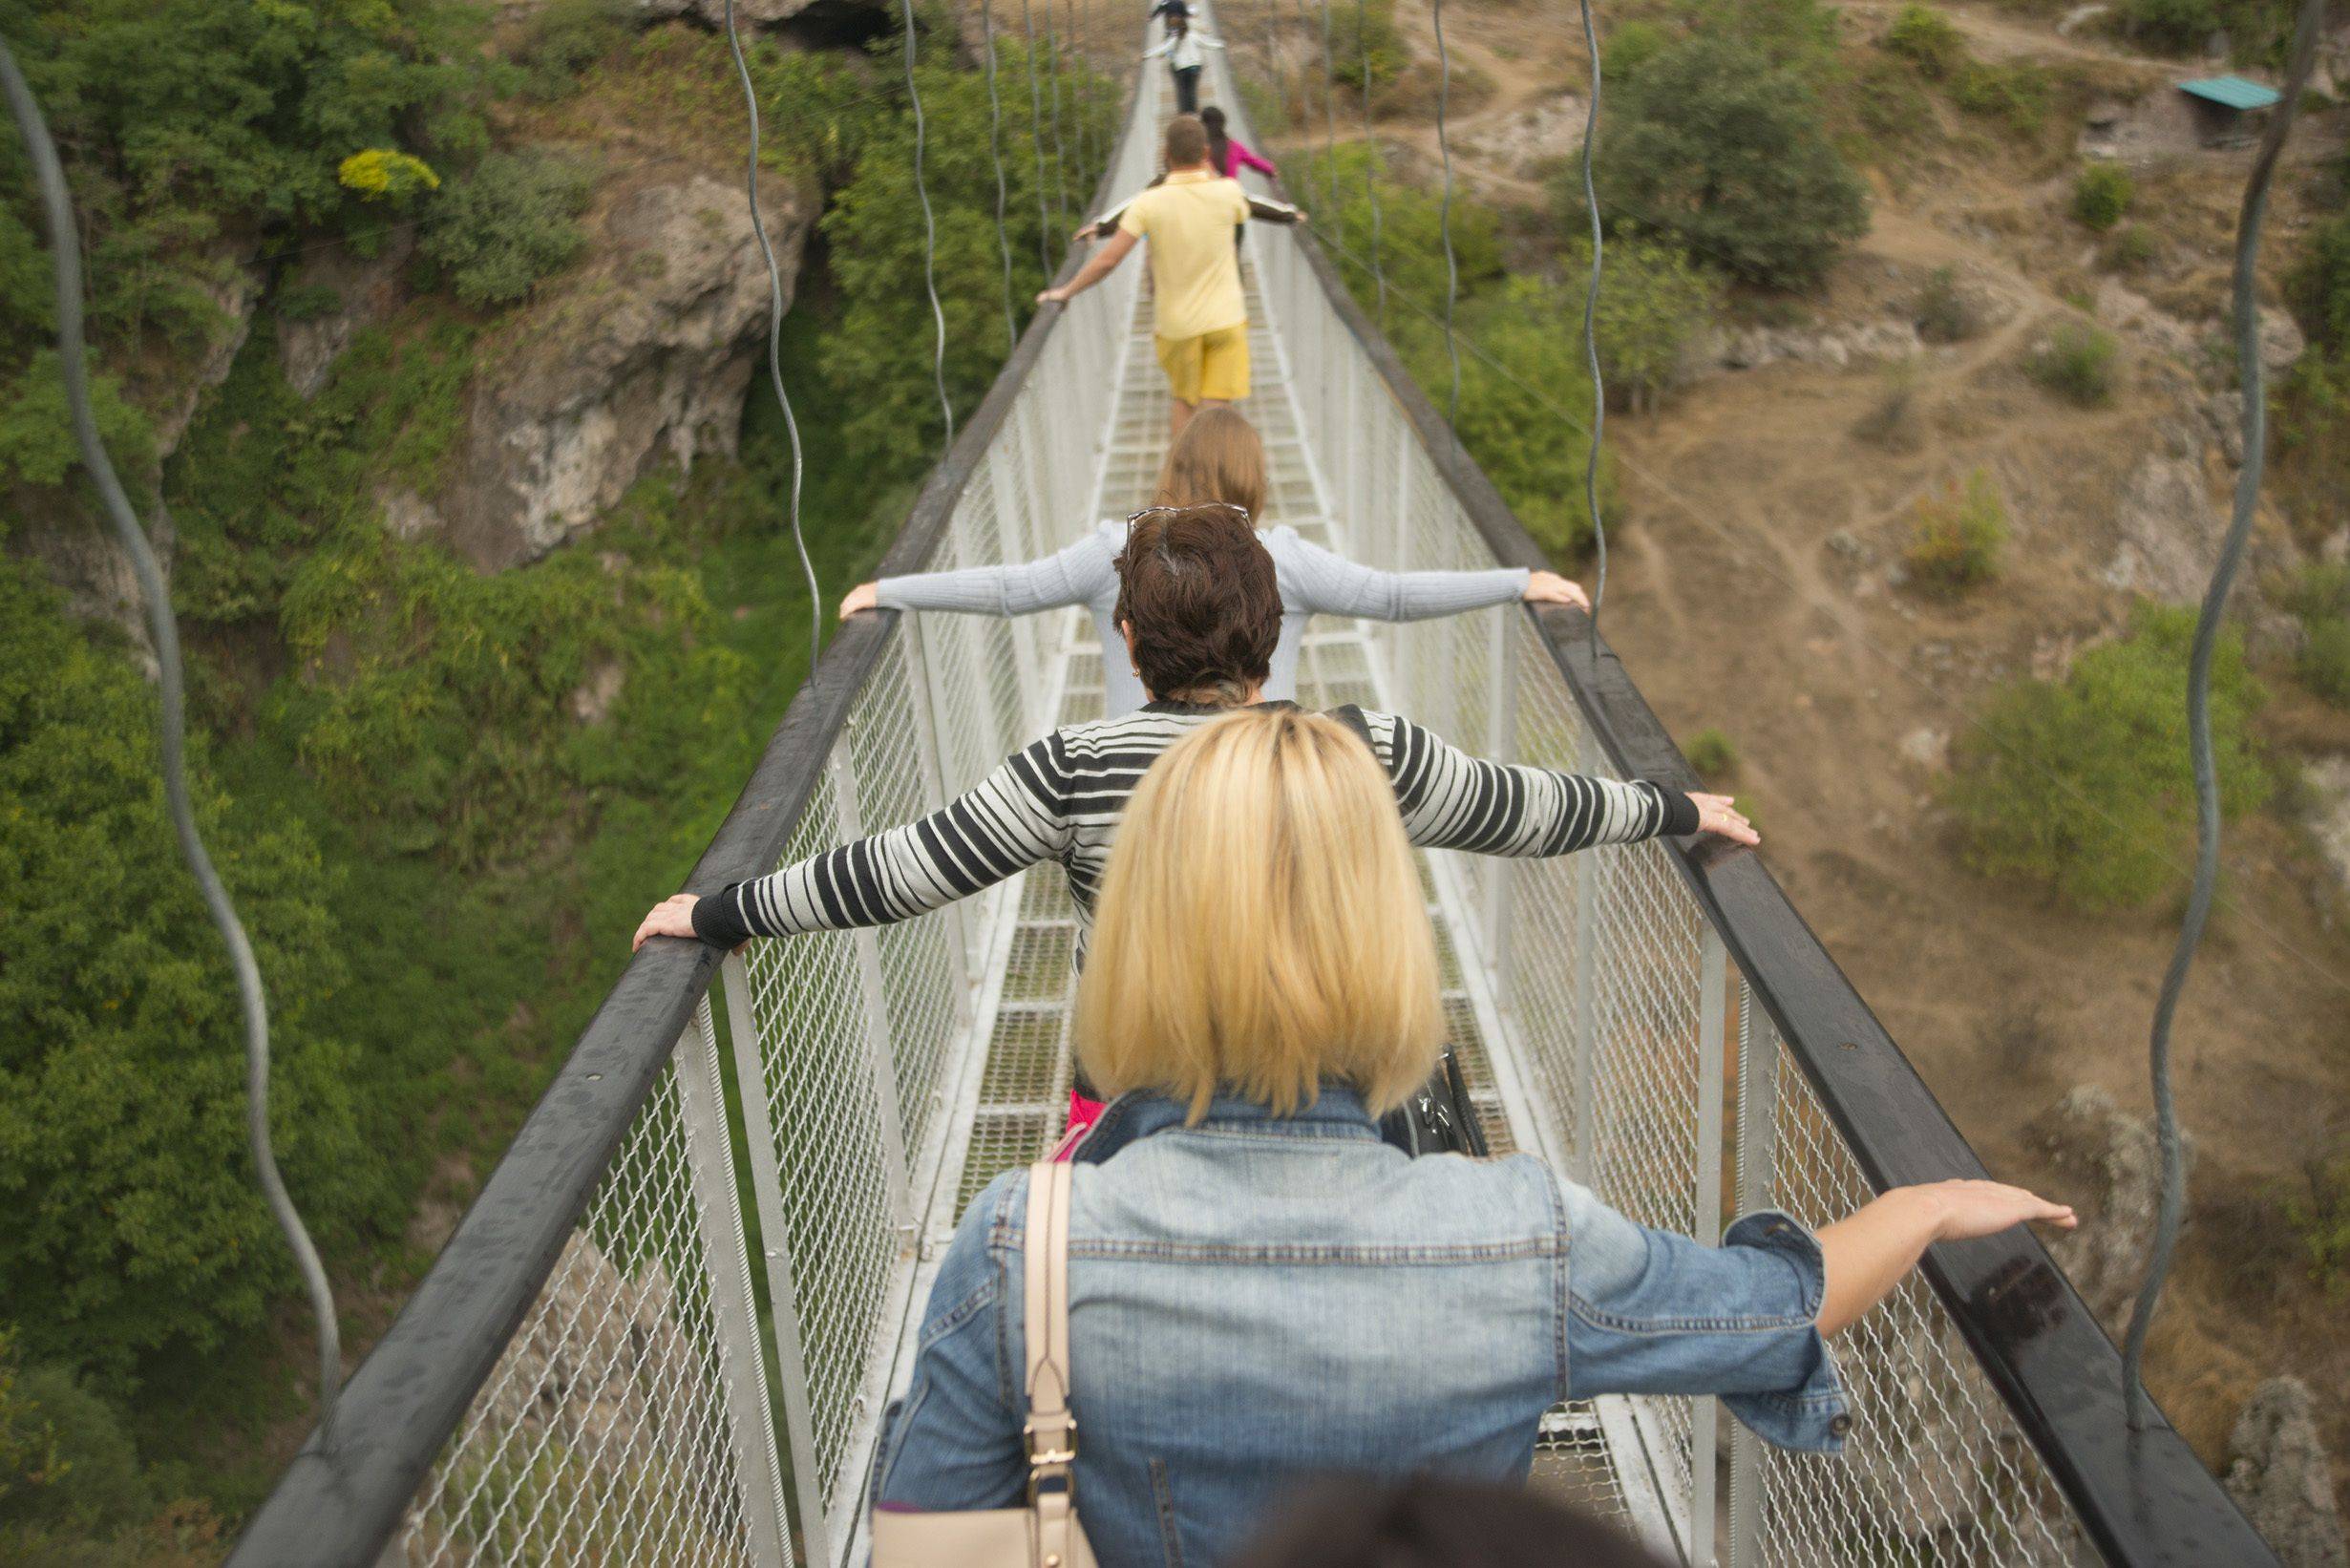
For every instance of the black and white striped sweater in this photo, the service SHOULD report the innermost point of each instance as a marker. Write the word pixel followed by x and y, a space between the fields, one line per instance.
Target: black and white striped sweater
pixel 1061 799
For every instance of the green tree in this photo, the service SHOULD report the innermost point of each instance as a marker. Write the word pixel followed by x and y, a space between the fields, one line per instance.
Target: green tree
pixel 2102 195
pixel 511 223
pixel 1725 152
pixel 1654 302
pixel 133 1224
pixel 2084 786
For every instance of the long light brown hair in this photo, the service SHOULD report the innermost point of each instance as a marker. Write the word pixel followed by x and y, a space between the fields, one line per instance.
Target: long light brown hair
pixel 1218 457
pixel 1261 927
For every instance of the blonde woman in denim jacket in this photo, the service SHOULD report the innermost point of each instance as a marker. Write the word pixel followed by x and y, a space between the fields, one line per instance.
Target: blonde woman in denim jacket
pixel 1260 1289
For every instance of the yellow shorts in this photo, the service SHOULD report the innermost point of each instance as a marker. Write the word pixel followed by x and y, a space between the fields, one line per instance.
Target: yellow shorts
pixel 1213 365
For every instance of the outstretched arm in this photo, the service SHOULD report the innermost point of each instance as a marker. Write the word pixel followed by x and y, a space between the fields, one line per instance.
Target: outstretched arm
pixel 1072 576
pixel 1247 158
pixel 1328 584
pixel 1453 800
pixel 1012 820
pixel 1872 1249
pixel 1103 262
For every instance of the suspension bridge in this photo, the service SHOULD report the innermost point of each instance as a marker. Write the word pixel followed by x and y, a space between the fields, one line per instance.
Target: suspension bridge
pixel 615 1359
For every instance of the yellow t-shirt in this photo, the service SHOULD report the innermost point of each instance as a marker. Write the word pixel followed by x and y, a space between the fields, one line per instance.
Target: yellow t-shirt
pixel 1194 268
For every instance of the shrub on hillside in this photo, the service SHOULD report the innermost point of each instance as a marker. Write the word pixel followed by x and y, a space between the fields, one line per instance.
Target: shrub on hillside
pixel 2102 195
pixel 1944 312
pixel 2016 94
pixel 1654 305
pixel 2322 1222
pixel 1956 537
pixel 2077 363
pixel 1364 45
pixel 560 42
pixel 2083 785
pixel 1725 153
pixel 2181 26
pixel 2132 249
pixel 2320 598
pixel 1712 753
pixel 498 231
pixel 1891 420
pixel 1629 48
pixel 1925 37
pixel 2319 286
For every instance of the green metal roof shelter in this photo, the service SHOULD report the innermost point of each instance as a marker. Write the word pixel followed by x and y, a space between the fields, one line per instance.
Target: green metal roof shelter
pixel 2231 92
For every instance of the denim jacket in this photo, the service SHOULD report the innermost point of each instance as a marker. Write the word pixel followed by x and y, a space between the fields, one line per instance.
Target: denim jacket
pixel 1259 1298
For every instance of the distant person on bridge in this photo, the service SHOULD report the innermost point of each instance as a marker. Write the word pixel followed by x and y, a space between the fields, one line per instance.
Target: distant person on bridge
pixel 1218 457
pixel 1182 45
pixel 1259 1289
pixel 1202 325
pixel 1199 610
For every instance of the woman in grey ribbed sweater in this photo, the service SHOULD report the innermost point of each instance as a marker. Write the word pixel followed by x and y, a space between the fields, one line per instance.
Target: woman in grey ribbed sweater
pixel 1218 457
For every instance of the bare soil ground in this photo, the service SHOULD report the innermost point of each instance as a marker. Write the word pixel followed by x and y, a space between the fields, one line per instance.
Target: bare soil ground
pixel 1754 588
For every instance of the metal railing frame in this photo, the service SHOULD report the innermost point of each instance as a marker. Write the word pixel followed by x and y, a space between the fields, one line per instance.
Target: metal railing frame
pixel 2139 1498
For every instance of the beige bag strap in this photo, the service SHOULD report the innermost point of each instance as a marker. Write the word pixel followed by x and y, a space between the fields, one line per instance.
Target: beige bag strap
pixel 1052 1430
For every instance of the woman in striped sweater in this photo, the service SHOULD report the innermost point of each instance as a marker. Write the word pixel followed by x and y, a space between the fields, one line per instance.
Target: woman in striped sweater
pixel 1218 457
pixel 1201 614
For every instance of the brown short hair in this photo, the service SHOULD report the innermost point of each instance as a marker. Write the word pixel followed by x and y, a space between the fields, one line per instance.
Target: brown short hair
pixel 1218 457
pixel 1199 590
pixel 1187 143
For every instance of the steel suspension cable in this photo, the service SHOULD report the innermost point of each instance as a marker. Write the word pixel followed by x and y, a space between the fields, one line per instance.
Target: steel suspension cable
pixel 930 235
pixel 995 157
pixel 2249 370
pixel 774 337
pixel 1060 148
pixel 252 1001
pixel 1591 336
pixel 1329 113
pixel 1036 142
pixel 1444 226
pixel 1078 102
pixel 1370 146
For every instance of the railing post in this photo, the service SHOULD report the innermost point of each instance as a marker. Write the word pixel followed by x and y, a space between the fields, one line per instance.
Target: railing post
pixel 1758 1180
pixel 1712 1045
pixel 776 1245
pixel 1501 746
pixel 897 1174
pixel 1018 543
pixel 922 693
pixel 758 1474
pixel 1589 1133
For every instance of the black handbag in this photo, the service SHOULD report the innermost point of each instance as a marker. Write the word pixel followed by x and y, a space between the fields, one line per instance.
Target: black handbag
pixel 1439 1118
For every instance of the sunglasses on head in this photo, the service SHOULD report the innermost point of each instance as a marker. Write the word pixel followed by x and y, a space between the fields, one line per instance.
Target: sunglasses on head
pixel 1134 517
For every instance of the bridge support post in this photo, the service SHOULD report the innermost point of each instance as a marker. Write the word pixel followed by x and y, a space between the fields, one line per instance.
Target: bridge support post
pixel 1712 1045
pixel 1588 1158
pixel 775 1248
pixel 1758 1182
pixel 897 1174
pixel 758 1474
pixel 922 693
pixel 1502 873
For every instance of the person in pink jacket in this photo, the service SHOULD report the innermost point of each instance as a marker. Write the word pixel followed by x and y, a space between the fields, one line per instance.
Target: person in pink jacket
pixel 1228 154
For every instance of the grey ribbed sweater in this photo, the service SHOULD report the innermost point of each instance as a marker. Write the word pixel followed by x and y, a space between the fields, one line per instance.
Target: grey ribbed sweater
pixel 1313 581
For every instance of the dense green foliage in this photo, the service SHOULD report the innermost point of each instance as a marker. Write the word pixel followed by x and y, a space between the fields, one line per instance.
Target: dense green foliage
pixel 509 223
pixel 2083 785
pixel 2077 363
pixel 1364 45
pixel 1655 302
pixel 1524 400
pixel 2102 195
pixel 1927 39
pixel 1717 143
pixel 2318 597
pixel 133 1225
pixel 1955 539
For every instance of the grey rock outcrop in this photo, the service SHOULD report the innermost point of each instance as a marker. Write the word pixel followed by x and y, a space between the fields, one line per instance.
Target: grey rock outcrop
pixel 2110 1167
pixel 1750 348
pixel 2328 780
pixel 2171 530
pixel 349 291
pixel 2278 1475
pixel 643 354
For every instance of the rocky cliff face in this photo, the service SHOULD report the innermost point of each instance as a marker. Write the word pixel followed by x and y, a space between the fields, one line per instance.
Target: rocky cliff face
pixel 640 355
pixel 2278 1475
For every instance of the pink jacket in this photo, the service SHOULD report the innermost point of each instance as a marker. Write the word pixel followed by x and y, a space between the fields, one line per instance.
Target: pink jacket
pixel 1242 158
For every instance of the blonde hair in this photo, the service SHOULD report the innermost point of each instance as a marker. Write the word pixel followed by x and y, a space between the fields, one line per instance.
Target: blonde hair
pixel 1261 926
pixel 1218 457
